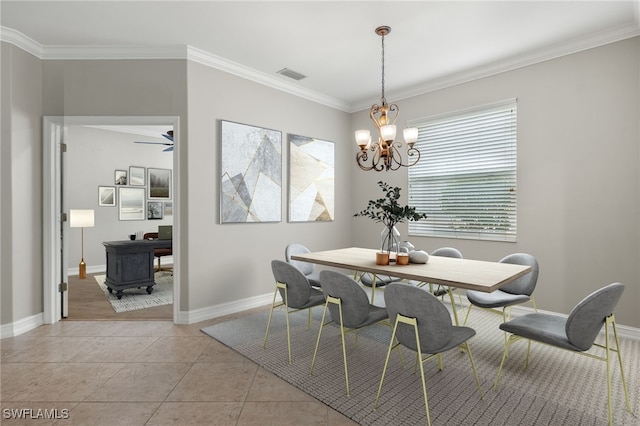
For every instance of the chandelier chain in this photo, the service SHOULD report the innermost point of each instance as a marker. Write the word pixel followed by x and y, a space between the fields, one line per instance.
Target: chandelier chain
pixel 383 99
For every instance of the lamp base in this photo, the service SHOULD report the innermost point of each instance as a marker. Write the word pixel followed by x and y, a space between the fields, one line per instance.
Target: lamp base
pixel 82 270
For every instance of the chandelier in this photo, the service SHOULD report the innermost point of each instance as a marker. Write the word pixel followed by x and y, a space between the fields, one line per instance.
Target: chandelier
pixel 387 153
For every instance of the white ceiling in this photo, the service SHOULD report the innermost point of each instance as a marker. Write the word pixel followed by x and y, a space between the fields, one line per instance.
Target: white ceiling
pixel 432 43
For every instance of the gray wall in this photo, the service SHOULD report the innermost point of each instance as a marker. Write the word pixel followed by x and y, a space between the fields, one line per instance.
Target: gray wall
pixel 232 261
pixel 578 172
pixel 20 186
pixel 92 157
pixel 578 189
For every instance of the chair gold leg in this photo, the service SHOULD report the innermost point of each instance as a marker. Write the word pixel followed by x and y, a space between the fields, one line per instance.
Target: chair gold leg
pixel 386 363
pixel 424 383
pixel 473 367
pixel 266 334
pixel 322 324
pixel 286 305
pixel 612 321
pixel 504 357
pixel 344 348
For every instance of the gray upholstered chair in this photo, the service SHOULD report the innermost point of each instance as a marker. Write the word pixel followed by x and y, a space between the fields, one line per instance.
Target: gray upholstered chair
pixel 441 290
pixel 422 323
pixel 516 292
pixel 348 307
pixel 306 267
pixel 576 333
pixel 296 294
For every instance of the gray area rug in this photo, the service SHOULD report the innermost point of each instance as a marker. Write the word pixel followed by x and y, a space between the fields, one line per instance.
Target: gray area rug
pixel 138 298
pixel 559 388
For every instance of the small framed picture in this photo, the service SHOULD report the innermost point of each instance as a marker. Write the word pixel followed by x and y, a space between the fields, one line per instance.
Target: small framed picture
pixel 159 181
pixel 168 208
pixel 136 176
pixel 107 196
pixel 154 210
pixel 131 203
pixel 120 177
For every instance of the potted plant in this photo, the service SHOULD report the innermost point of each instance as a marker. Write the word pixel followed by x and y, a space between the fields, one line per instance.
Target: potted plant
pixel 387 211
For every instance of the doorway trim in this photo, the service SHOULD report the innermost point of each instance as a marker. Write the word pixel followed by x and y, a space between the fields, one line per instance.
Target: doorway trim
pixel 54 248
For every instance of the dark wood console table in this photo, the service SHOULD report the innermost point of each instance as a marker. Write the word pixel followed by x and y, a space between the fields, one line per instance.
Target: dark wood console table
pixel 130 264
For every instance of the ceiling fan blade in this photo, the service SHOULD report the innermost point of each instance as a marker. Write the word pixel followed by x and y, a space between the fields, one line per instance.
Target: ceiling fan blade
pixel 168 135
pixel 170 149
pixel 154 143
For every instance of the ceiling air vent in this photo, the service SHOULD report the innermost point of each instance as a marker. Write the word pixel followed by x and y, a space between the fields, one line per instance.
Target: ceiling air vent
pixel 291 74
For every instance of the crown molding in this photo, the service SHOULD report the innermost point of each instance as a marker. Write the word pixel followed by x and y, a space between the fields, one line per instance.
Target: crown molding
pixel 219 63
pixel 20 40
pixel 511 64
pixel 207 59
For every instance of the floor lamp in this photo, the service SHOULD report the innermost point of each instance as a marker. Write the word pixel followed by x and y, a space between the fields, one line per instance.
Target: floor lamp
pixel 81 219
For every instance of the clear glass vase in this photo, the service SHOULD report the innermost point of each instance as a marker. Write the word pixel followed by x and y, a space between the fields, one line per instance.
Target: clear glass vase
pixel 390 241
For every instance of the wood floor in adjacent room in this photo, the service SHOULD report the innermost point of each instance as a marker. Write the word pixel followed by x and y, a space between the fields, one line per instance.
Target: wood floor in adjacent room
pixel 88 302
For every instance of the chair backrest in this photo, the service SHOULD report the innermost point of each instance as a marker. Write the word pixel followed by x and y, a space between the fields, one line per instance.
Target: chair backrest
pixel 354 300
pixel 447 252
pixel 298 288
pixel 150 235
pixel 434 321
pixel 526 283
pixel 587 317
pixel 295 248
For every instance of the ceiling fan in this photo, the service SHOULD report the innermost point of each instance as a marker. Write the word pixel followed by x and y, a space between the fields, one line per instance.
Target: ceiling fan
pixel 168 136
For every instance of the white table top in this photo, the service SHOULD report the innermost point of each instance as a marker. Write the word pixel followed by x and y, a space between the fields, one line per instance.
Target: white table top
pixel 462 273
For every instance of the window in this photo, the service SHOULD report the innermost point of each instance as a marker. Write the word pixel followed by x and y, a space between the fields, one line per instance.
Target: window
pixel 466 177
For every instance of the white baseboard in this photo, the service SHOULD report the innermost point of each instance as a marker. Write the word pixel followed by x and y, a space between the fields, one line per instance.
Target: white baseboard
pixel 21 326
pixel 203 314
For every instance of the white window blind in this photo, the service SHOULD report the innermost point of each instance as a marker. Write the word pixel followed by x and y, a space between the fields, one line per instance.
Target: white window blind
pixel 466 177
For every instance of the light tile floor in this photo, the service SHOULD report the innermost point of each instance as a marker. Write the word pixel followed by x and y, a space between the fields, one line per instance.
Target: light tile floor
pixel 143 373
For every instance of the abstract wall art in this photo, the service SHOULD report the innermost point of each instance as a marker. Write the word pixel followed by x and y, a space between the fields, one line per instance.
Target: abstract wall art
pixel 251 174
pixel 311 179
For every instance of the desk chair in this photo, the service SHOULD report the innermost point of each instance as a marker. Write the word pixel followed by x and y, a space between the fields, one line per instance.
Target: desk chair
pixel 296 294
pixel 422 324
pixel 576 333
pixel 349 307
pixel 159 252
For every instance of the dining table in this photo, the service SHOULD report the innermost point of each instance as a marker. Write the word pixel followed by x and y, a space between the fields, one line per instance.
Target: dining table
pixel 469 274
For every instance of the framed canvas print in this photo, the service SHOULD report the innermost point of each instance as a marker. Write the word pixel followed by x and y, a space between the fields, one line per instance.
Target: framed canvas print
pixel 159 184
pixel 107 196
pixel 120 177
pixel 251 174
pixel 131 204
pixel 168 208
pixel 155 210
pixel 311 179
pixel 136 176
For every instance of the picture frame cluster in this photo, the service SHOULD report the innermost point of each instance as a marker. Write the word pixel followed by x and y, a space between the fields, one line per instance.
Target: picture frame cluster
pixel 140 193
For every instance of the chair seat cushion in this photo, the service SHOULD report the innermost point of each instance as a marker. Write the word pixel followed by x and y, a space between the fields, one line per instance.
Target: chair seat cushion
pixel 367 279
pixel 316 297
pixel 376 313
pixel 495 299
pixel 162 252
pixel 543 328
pixel 314 279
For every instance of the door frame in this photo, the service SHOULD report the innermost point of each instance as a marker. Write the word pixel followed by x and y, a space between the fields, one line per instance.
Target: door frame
pixel 54 231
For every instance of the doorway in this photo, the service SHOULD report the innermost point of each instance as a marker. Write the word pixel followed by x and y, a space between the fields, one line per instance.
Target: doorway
pixel 57 189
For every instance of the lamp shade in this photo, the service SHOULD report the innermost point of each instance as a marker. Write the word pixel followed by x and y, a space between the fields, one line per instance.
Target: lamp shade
pixel 410 135
pixel 363 138
pixel 388 132
pixel 81 218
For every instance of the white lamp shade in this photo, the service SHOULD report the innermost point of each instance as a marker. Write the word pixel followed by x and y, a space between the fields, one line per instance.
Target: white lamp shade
pixel 363 138
pixel 81 218
pixel 388 132
pixel 410 135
